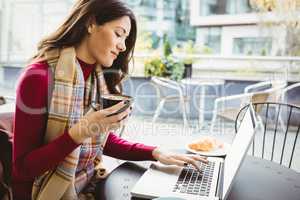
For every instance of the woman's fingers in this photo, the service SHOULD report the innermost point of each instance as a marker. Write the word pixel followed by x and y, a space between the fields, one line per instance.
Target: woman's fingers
pixel 189 160
pixel 199 158
pixel 182 161
pixel 114 122
pixel 192 159
pixel 115 126
pixel 98 129
pixel 118 117
pixel 114 108
pixel 105 120
pixel 172 161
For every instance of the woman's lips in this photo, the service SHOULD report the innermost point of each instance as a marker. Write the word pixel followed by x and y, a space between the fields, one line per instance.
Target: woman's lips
pixel 115 55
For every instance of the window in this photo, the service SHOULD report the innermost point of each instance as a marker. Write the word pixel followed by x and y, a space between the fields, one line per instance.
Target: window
pixel 238 6
pixel 174 16
pixel 169 7
pixel 134 2
pixel 18 40
pixel 212 38
pixel 252 46
pixel 222 7
pixel 148 3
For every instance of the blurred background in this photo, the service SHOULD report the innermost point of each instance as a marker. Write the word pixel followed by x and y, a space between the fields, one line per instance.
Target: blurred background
pixel 235 42
pixel 196 64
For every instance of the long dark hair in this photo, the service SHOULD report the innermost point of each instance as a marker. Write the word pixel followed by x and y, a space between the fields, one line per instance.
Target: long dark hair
pixel 74 29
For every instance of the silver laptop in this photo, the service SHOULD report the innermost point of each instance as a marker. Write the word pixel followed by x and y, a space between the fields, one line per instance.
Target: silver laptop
pixel 215 180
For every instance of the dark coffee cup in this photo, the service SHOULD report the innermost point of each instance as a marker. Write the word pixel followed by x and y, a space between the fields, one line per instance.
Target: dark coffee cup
pixel 109 100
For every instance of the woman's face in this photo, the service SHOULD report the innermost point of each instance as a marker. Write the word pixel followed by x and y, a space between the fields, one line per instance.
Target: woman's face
pixel 105 42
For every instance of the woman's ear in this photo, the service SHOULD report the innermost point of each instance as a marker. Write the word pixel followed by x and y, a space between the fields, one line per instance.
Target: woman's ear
pixel 90 28
pixel 91 25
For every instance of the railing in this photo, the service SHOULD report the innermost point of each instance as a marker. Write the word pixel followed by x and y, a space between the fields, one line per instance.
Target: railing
pixel 235 67
pixel 226 67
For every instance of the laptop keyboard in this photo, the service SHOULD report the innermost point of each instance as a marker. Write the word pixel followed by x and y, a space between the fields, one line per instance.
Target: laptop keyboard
pixel 192 181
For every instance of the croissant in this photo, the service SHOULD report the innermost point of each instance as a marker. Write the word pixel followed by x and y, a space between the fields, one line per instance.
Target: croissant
pixel 204 144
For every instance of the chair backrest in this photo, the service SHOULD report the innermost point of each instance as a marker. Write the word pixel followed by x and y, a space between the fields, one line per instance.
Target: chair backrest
pixel 164 82
pixel 161 82
pixel 259 97
pixel 258 87
pixel 276 90
pixel 278 137
pixel 291 94
pixel 6 134
pixel 263 91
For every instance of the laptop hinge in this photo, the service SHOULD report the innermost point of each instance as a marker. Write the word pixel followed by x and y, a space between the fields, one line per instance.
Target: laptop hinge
pixel 219 191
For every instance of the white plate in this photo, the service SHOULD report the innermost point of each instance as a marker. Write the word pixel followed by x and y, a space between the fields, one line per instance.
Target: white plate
pixel 215 152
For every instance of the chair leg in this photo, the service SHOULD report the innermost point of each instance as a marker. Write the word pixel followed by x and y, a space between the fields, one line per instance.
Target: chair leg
pixel 157 111
pixel 201 114
pixel 184 115
pixel 214 118
pixel 213 122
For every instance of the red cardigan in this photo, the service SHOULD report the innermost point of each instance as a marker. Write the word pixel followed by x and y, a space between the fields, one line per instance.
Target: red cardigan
pixel 31 157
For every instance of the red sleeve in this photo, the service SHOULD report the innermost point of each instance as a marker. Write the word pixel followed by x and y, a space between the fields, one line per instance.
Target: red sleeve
pixel 122 149
pixel 31 157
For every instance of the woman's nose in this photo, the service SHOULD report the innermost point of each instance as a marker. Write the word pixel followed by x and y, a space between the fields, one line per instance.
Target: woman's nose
pixel 122 46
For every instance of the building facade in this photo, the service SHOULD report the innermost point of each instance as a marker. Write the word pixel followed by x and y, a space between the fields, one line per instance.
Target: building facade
pixel 232 27
pixel 23 23
pixel 159 17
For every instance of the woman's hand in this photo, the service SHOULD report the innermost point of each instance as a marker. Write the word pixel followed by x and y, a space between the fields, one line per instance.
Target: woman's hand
pixel 98 122
pixel 177 159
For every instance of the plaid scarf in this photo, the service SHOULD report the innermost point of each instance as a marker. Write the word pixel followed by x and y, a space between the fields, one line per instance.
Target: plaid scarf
pixel 71 97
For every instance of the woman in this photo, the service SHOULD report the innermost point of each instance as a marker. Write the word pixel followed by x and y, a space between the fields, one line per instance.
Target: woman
pixel 58 141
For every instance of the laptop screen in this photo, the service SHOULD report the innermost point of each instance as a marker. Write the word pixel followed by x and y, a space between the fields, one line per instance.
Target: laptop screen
pixel 238 149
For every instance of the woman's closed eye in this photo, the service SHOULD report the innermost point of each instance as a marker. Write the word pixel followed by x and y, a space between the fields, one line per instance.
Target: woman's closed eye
pixel 121 35
pixel 118 34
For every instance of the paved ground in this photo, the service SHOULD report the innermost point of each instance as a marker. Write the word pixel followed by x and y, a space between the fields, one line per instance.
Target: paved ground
pixel 171 134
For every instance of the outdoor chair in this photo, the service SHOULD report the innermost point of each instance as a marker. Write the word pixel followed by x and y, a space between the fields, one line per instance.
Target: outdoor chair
pixel 163 84
pixel 227 107
pixel 270 142
pixel 7 107
pixel 6 135
pixel 291 94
